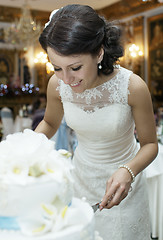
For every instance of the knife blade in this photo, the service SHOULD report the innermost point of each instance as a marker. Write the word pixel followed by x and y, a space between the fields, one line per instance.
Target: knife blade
pixel 96 206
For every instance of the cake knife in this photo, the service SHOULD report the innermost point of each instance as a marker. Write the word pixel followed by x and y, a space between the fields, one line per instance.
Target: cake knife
pixel 96 206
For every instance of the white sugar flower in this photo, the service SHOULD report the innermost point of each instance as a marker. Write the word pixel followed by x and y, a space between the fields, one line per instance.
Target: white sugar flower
pixel 29 154
pixel 35 225
pixel 58 166
pixel 29 145
pixel 16 172
pixel 65 153
pixel 49 211
pixel 54 167
pixel 61 220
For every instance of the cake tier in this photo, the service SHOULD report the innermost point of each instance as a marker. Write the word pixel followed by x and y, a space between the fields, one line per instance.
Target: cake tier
pixel 17 200
pixel 78 225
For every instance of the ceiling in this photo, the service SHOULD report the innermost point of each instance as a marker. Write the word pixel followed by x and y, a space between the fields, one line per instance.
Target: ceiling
pixel 49 5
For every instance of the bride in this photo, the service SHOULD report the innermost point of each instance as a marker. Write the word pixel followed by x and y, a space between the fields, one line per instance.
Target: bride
pixel 103 103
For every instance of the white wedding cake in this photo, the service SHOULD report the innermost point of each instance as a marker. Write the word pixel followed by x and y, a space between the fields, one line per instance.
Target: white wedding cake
pixel 36 196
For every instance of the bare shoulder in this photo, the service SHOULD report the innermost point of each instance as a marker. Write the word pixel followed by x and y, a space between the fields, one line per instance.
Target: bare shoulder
pixel 53 82
pixel 54 104
pixel 138 89
pixel 52 87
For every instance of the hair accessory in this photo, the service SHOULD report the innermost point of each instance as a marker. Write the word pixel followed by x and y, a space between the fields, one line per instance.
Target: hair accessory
pixel 129 170
pixel 51 15
pixel 99 66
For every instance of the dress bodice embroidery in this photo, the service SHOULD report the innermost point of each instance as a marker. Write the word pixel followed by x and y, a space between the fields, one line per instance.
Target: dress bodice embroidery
pixel 114 90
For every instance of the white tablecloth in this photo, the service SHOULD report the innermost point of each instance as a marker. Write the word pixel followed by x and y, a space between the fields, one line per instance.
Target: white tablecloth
pixel 22 123
pixel 154 174
pixel 7 121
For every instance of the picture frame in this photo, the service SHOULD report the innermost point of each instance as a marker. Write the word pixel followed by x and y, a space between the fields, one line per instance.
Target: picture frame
pixel 155 56
pixel 6 66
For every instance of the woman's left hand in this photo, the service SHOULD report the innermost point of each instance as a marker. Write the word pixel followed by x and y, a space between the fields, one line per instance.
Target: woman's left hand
pixel 117 188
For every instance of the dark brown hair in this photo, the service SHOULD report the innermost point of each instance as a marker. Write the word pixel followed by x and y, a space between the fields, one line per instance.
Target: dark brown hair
pixel 78 29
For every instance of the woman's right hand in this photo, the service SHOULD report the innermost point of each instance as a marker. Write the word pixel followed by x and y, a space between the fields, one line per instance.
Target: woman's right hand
pixel 117 188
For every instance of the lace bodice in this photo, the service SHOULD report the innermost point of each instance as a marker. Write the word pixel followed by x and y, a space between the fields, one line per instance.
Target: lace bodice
pixel 114 90
pixel 87 111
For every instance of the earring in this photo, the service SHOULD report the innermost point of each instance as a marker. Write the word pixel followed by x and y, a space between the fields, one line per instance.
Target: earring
pixel 100 66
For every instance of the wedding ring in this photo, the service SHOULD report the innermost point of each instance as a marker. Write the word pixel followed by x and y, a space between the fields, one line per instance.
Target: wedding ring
pixel 111 198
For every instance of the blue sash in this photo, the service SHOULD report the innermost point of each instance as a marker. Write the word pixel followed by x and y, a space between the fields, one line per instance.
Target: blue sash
pixel 9 223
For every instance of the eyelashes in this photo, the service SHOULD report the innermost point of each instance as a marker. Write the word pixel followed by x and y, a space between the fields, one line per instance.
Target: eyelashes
pixel 77 68
pixel 57 69
pixel 73 69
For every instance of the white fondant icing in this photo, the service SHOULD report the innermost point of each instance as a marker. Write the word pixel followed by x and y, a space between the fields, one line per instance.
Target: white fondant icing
pixel 81 229
pixel 36 190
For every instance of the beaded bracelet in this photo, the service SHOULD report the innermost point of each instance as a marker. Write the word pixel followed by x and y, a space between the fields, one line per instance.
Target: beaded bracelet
pixel 129 170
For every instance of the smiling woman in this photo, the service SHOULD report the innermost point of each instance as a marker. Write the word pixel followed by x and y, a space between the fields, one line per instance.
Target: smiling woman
pixel 102 102
pixel 78 71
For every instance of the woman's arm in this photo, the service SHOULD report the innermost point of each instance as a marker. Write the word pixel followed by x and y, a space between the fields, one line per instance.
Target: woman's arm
pixel 142 109
pixel 139 99
pixel 54 110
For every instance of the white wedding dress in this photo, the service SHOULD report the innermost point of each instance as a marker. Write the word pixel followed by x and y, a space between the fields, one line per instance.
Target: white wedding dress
pixel 104 125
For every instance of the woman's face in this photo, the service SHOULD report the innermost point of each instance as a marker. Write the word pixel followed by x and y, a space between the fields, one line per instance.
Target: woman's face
pixel 78 71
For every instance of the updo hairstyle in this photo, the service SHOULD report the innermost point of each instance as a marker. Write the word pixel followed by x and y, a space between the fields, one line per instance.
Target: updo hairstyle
pixel 78 29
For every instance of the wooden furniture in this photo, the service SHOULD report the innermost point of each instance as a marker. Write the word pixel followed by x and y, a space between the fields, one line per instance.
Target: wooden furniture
pixel 17 102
